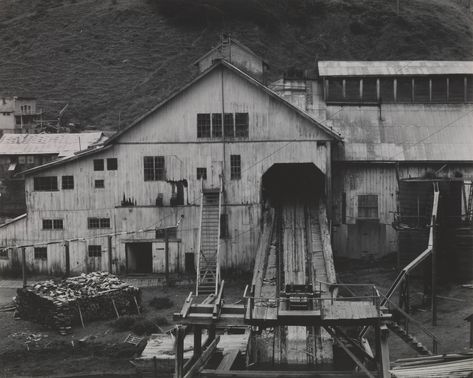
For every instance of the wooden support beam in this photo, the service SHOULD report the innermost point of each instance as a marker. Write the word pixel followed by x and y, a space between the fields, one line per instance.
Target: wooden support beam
pixel 187 305
pixel 218 302
pixel 350 353
pixel 207 373
pixel 23 265
pixel 68 259
pixel 434 271
pixel 179 351
pixel 110 259
pixel 228 360
pixel 354 344
pixel 197 341
pixel 202 360
pixel 384 352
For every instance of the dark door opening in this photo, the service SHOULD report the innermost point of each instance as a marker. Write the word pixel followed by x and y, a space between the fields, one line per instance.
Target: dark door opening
pixel 139 258
pixel 301 181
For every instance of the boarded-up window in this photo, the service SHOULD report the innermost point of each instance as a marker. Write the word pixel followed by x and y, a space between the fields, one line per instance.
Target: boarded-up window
pixel 203 125
pixel 235 167
pixel 469 89
pixel 386 90
pixel 68 182
pixel 154 168
pixel 335 90
pixel 439 90
pixel 352 90
pixel 46 184
pixel 368 206
pixel 241 125
pixel 422 90
pixel 216 125
pixel 456 89
pixel 41 253
pixel 404 89
pixel 201 173
pixel 228 125
pixel 370 92
pixel 98 223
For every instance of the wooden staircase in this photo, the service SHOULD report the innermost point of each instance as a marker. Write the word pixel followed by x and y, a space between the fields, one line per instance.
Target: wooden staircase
pixel 208 271
pixel 409 339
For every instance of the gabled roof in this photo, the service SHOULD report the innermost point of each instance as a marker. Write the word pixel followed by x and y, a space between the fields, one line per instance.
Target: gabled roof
pixel 394 68
pixel 47 144
pixel 231 67
pixel 234 41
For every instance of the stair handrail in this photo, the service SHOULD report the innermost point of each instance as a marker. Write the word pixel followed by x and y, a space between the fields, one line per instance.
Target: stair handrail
pixel 405 271
pixel 435 340
pixel 217 280
pixel 199 237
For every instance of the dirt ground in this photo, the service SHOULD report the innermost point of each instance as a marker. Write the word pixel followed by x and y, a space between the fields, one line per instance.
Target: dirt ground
pixel 30 349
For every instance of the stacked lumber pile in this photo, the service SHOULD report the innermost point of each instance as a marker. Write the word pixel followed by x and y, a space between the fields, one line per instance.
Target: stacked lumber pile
pixel 60 304
pixel 441 366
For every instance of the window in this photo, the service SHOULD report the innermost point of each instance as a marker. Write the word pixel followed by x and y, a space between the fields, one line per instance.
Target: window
pixel 154 168
pixel 95 250
pixel 241 125
pixel 202 173
pixel 386 90
pixel 228 127
pixel 99 184
pixel 68 182
pixel 21 159
pixel 4 254
pixel 171 231
pixel 52 224
pixel 370 90
pixel 456 89
pixel 112 164
pixel 41 253
pixel 46 184
pixel 235 167
pixel 203 125
pixel 30 159
pixel 98 164
pixel 216 125
pixel 439 90
pixel 368 206
pixel 335 90
pixel 422 90
pixel 404 89
pixel 98 223
pixel 352 90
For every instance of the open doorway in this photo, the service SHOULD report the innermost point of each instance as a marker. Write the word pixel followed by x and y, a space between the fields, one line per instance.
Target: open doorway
pixel 139 257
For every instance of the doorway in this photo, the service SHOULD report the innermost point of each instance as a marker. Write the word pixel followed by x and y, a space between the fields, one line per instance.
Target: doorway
pixel 139 257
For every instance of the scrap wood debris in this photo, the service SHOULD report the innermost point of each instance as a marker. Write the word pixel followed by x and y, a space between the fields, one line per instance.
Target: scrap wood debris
pixel 77 300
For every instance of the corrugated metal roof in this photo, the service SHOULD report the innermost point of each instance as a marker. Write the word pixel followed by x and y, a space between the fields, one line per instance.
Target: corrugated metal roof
pixel 394 68
pixel 37 144
pixel 405 133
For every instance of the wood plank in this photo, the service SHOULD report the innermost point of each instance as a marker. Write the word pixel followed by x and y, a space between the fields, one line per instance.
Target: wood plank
pixel 228 359
pixel 206 373
pixel 202 360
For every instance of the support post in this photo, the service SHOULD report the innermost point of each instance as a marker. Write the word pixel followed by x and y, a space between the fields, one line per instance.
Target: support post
pixel 211 331
pixel 384 350
pixel 179 349
pixel 434 271
pixel 166 254
pixel 197 342
pixel 110 253
pixel 23 265
pixel 68 260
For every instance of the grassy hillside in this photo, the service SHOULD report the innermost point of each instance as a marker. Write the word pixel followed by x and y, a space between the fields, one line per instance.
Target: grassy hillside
pixel 115 59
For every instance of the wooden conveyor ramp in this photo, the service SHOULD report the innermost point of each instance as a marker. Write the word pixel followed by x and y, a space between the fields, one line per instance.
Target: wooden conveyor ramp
pixel 294 258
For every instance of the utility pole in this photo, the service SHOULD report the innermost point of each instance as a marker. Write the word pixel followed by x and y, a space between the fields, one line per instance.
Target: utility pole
pixel 110 253
pixel 23 265
pixel 68 262
pixel 434 271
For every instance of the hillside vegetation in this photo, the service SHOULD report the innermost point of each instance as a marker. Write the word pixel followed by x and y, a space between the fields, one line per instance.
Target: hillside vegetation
pixel 112 60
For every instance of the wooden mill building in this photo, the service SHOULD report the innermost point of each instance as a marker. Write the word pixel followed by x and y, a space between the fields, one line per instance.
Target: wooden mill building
pixel 356 129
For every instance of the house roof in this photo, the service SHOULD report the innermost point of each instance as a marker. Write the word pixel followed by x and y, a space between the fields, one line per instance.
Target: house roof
pixel 394 68
pixel 234 41
pixel 46 144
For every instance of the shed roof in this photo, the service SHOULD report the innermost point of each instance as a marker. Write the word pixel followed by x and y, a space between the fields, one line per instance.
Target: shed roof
pixel 42 144
pixel 394 68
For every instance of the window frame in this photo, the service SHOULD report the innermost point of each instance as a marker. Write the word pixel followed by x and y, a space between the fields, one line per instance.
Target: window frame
pixel 40 253
pixel 204 125
pixel 50 224
pixel 242 125
pixel 217 125
pixel 235 167
pixel 227 125
pixel 364 206
pixel 99 165
pixel 96 223
pixel 94 250
pixel 112 164
pixel 4 255
pixel 39 186
pixel 152 172
pixel 201 172
pixel 99 184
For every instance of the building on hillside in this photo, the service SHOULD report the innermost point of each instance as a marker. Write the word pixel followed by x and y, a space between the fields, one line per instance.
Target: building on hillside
pixel 353 133
pixel 236 53
pixel 19 152
pixel 18 114
pixel 405 125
